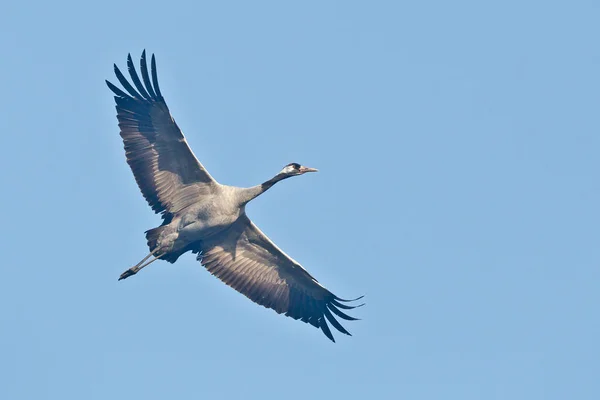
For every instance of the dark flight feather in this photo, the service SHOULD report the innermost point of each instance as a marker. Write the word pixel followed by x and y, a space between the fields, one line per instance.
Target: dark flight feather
pixel 136 79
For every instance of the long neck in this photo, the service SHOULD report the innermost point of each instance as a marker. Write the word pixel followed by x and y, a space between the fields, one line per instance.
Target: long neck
pixel 255 191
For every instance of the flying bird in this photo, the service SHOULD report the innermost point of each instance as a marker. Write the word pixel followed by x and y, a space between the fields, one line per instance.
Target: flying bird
pixel 208 218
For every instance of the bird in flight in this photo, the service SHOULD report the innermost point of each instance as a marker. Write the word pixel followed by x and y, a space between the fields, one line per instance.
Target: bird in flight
pixel 207 218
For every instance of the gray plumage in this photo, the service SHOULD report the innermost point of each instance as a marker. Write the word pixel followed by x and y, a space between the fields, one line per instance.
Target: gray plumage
pixel 208 218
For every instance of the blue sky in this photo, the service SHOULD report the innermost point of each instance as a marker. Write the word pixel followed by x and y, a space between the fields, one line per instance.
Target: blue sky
pixel 457 144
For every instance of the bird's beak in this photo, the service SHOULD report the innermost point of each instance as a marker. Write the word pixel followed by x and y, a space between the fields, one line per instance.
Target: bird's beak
pixel 307 169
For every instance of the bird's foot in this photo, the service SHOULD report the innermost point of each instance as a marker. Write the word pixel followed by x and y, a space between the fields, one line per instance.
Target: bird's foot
pixel 128 273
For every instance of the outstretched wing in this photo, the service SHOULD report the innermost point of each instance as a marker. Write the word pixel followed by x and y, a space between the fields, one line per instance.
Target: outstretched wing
pixel 165 168
pixel 244 258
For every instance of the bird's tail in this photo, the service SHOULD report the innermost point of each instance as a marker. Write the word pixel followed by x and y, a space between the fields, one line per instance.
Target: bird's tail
pixel 152 236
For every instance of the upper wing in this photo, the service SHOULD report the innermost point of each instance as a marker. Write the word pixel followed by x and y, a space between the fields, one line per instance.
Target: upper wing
pixel 244 258
pixel 167 172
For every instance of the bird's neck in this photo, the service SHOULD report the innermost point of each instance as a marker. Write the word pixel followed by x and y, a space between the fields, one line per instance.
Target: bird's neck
pixel 255 191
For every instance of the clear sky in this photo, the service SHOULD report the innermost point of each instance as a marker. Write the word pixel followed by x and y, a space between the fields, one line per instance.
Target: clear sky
pixel 457 144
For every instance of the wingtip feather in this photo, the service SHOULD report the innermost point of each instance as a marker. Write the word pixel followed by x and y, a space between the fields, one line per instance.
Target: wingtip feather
pixel 116 90
pixel 326 330
pixel 126 85
pixel 348 301
pixel 341 314
pixel 146 77
pixel 335 323
pixel 155 77
pixel 136 79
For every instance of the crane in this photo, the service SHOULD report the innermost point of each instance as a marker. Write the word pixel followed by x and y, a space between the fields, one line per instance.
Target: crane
pixel 208 218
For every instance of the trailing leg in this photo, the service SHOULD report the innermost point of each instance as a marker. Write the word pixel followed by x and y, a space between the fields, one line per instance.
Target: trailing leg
pixel 136 268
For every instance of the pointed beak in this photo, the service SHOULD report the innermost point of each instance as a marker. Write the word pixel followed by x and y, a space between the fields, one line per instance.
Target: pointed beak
pixel 307 169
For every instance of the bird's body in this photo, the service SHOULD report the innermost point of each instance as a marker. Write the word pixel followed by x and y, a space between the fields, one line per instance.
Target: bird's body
pixel 212 214
pixel 208 218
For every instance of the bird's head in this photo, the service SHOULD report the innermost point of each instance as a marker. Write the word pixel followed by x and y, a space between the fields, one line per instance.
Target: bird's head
pixel 294 169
